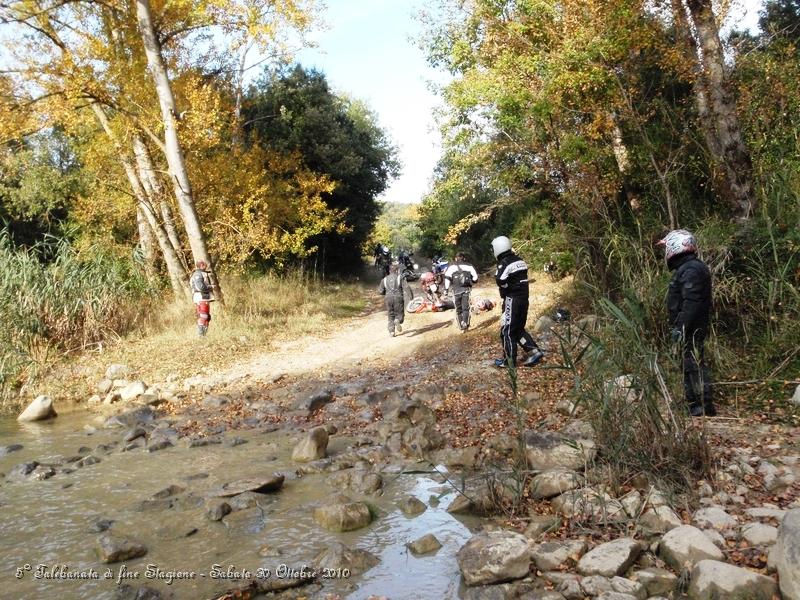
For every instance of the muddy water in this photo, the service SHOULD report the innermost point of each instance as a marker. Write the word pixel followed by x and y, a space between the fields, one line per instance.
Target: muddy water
pixel 50 522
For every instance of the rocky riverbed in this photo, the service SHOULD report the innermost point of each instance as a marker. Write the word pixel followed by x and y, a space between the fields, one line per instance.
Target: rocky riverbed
pixel 383 481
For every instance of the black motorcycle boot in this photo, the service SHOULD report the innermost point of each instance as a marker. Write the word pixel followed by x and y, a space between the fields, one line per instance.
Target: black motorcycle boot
pixel 696 409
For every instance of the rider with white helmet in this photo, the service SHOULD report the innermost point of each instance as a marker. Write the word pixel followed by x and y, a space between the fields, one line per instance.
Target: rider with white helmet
pixel 512 281
pixel 689 307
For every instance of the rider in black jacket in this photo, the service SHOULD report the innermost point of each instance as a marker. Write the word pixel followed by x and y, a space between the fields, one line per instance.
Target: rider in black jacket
pixel 512 281
pixel 689 307
pixel 397 291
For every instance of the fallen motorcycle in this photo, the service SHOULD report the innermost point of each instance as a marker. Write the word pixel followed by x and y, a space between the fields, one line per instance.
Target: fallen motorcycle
pixel 421 304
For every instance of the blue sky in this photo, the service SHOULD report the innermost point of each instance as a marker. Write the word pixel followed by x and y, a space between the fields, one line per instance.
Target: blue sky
pixel 368 51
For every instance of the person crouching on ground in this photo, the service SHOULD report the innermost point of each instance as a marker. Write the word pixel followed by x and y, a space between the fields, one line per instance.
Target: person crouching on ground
pixel 460 277
pixel 512 281
pixel 200 282
pixel 689 307
pixel 396 289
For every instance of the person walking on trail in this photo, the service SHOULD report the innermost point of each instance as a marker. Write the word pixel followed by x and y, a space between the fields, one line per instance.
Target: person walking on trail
pixel 396 289
pixel 460 277
pixel 512 281
pixel 689 307
pixel 200 282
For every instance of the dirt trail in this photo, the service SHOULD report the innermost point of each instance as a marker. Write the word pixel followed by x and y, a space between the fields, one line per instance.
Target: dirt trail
pixel 365 339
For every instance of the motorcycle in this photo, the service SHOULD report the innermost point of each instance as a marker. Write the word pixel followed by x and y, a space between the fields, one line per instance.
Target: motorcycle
pixel 383 259
pixel 409 269
pixel 438 267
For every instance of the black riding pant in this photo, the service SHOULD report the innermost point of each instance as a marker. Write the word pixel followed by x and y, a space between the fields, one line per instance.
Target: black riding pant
pixel 461 300
pixel 396 311
pixel 512 328
pixel 697 384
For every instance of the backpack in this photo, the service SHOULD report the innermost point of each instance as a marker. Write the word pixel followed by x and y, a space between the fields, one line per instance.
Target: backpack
pixel 461 278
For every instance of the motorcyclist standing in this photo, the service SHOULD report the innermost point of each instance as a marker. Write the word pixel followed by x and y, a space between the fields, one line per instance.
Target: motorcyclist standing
pixel 460 277
pixel 689 307
pixel 512 281
pixel 200 283
pixel 396 289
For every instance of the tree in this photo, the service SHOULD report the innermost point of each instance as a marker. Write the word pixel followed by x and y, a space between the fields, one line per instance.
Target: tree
pixel 295 111
pixel 717 105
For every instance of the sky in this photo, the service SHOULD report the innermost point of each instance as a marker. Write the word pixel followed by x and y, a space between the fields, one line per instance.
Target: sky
pixel 368 51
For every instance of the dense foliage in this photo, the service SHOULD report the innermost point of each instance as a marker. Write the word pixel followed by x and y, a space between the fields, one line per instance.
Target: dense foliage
pixel 585 130
pixel 295 111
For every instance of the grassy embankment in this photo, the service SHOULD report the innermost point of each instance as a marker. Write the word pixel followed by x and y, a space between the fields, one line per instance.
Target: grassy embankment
pixel 68 315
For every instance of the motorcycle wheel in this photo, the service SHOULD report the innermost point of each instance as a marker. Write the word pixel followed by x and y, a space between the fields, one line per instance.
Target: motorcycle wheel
pixel 416 305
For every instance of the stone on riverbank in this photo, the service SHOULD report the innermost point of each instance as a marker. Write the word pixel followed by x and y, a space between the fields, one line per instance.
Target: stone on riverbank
pixel 313 447
pixel 611 558
pixel 411 506
pixel 685 546
pixel 494 557
pixel 548 450
pixel 786 555
pixel 259 485
pixel 39 409
pixel 712 579
pixel 337 556
pixel 343 516
pixel 424 545
pixel 111 548
pixel 553 482
pixel 132 391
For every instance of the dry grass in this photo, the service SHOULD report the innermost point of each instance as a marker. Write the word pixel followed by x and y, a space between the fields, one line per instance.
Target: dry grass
pixel 260 312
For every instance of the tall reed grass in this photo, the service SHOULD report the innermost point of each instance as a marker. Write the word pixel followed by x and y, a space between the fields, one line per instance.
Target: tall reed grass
pixel 54 300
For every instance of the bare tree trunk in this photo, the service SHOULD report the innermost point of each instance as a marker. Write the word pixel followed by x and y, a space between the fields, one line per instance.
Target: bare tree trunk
pixel 174 269
pixel 716 97
pixel 155 191
pixel 147 244
pixel 174 153
pixel 237 132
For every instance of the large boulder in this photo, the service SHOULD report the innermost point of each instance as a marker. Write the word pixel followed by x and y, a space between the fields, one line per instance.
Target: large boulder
pixel 313 447
pixel 787 555
pixel 554 482
pixel 547 450
pixel 112 548
pixel 611 558
pixel 343 516
pixel 494 557
pixel 685 546
pixel 40 409
pixel 712 580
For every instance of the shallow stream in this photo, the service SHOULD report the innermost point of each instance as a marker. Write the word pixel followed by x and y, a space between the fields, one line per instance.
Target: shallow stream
pixel 51 522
